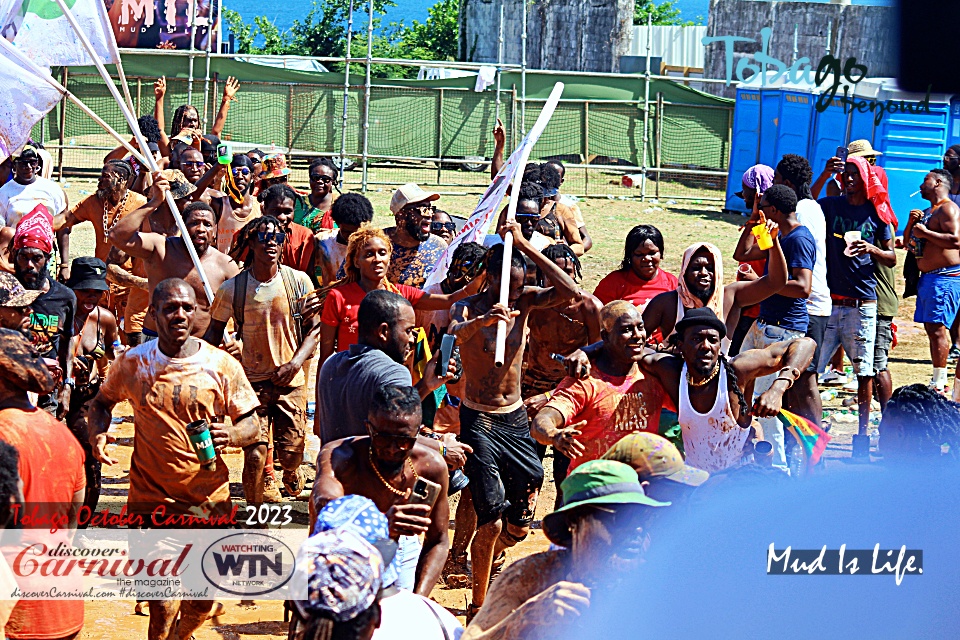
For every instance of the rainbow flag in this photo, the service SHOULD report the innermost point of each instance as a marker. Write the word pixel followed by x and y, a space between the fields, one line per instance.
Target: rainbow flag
pixel 813 440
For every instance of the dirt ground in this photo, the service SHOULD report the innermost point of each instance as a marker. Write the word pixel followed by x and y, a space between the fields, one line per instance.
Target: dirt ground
pixel 608 221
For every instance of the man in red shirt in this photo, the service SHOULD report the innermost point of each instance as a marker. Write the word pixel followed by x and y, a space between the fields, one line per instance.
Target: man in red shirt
pixel 51 467
pixel 586 417
pixel 300 245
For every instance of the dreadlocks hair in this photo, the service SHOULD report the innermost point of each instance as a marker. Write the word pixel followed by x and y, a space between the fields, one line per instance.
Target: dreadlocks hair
pixel 121 166
pixel 734 385
pixel 177 123
pixel 929 422
pixel 149 127
pixel 797 170
pixel 637 236
pixel 556 252
pixel 473 251
pixel 549 177
pixel 240 249
pixel 278 192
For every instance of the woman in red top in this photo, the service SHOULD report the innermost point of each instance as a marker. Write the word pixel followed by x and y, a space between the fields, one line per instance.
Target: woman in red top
pixel 639 277
pixel 366 263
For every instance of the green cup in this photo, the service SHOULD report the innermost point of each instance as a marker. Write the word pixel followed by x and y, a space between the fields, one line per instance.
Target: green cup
pixel 199 433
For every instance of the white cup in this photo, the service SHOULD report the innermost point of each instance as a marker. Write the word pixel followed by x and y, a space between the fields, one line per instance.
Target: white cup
pixel 850 237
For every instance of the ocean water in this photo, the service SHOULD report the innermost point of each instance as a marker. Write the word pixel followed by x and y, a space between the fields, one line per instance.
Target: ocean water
pixel 283 14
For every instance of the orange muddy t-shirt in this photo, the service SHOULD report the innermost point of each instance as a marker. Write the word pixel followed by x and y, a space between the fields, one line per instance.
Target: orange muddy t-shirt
pixel 167 394
pixel 613 406
pixel 51 467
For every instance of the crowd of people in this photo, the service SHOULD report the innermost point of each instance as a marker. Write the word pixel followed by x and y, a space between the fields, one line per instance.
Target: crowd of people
pixel 647 390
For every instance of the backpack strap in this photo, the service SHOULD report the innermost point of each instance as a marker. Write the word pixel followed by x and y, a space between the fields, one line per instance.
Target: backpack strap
pixel 294 292
pixel 240 299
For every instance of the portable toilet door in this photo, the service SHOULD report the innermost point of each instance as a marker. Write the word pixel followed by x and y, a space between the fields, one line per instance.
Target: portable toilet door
pixel 913 141
pixel 828 132
pixel 793 124
pixel 746 143
pixel 771 106
pixel 953 134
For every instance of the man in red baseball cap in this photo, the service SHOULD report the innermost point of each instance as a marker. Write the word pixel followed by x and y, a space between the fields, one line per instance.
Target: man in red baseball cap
pixel 54 309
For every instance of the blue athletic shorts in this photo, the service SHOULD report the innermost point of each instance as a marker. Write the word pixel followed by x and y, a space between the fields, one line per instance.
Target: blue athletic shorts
pixel 938 296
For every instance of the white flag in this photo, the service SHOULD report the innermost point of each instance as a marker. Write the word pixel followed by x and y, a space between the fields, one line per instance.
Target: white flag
pixel 27 98
pixel 46 37
pixel 475 228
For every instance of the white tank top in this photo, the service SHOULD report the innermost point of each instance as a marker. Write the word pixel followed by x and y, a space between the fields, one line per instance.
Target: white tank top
pixel 712 441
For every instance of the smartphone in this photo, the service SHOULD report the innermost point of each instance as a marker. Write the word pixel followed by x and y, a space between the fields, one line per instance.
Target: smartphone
pixel 224 156
pixel 424 492
pixel 446 352
pixel 842 153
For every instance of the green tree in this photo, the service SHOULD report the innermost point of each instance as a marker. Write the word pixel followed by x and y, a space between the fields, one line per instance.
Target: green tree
pixel 439 36
pixel 664 14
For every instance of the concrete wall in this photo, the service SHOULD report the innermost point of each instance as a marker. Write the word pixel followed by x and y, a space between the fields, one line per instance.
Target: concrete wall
pixel 865 32
pixel 569 35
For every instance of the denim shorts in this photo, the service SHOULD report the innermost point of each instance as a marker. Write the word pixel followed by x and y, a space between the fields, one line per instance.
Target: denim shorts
pixel 881 350
pixel 856 329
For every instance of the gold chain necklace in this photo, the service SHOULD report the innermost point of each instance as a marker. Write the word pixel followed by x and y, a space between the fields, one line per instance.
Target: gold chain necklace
pixel 116 217
pixel 390 487
pixel 706 380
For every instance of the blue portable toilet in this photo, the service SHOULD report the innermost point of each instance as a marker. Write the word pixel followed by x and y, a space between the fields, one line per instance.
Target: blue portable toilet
pixel 953 133
pixel 745 142
pixel 795 122
pixel 912 142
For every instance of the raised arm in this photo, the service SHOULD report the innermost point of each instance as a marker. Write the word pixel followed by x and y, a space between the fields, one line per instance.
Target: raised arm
pixel 746 293
pixel 747 249
pixel 499 140
pixel 790 358
pixel 229 93
pixel 834 165
pixel 128 237
pixel 563 289
pixel 160 90
pixel 443 301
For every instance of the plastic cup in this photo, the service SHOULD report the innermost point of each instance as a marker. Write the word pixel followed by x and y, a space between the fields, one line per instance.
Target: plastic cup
pixel 764 241
pixel 850 237
pixel 199 433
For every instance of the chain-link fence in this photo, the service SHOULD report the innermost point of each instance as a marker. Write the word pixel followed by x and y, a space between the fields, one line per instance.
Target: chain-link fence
pixel 439 137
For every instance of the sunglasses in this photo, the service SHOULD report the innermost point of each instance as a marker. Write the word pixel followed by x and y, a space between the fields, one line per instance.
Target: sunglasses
pixel 423 210
pixel 437 227
pixel 241 171
pixel 319 177
pixel 196 163
pixel 527 216
pixel 384 441
pixel 266 236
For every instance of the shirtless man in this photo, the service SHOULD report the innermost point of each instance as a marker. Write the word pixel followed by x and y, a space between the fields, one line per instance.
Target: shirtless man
pixel 384 466
pixel 558 330
pixel 709 390
pixel 504 470
pixel 701 285
pixel 933 236
pixel 166 257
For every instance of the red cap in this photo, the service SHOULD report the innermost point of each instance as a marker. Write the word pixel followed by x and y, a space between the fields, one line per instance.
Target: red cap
pixel 35 230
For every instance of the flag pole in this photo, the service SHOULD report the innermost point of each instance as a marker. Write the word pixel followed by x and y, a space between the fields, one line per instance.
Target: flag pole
pixel 549 106
pixel 132 123
pixel 46 77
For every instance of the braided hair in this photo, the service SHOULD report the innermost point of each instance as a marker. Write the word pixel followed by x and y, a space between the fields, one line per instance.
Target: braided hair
pixel 734 385
pixel 278 192
pixel 930 422
pixel 177 124
pixel 556 252
pixel 121 166
pixel 240 249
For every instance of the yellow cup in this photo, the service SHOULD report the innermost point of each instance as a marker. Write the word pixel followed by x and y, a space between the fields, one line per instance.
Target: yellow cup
pixel 764 241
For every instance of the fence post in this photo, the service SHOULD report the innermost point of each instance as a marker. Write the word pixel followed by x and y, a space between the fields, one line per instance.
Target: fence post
pixel 439 135
pixel 366 98
pixel 289 121
pixel 646 113
pixel 659 126
pixel 499 57
pixel 586 146
pixel 346 95
pixel 139 94
pixel 523 71
pixel 193 35
pixel 63 123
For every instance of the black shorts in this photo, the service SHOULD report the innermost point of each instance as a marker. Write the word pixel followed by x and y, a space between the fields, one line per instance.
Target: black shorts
pixel 504 470
pixel 816 329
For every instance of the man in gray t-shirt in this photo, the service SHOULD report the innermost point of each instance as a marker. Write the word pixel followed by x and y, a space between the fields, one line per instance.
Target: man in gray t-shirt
pixel 348 380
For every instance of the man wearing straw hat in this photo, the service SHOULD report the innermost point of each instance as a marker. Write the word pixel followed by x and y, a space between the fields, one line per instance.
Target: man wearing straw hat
pixel 602 525
pixel 505 472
